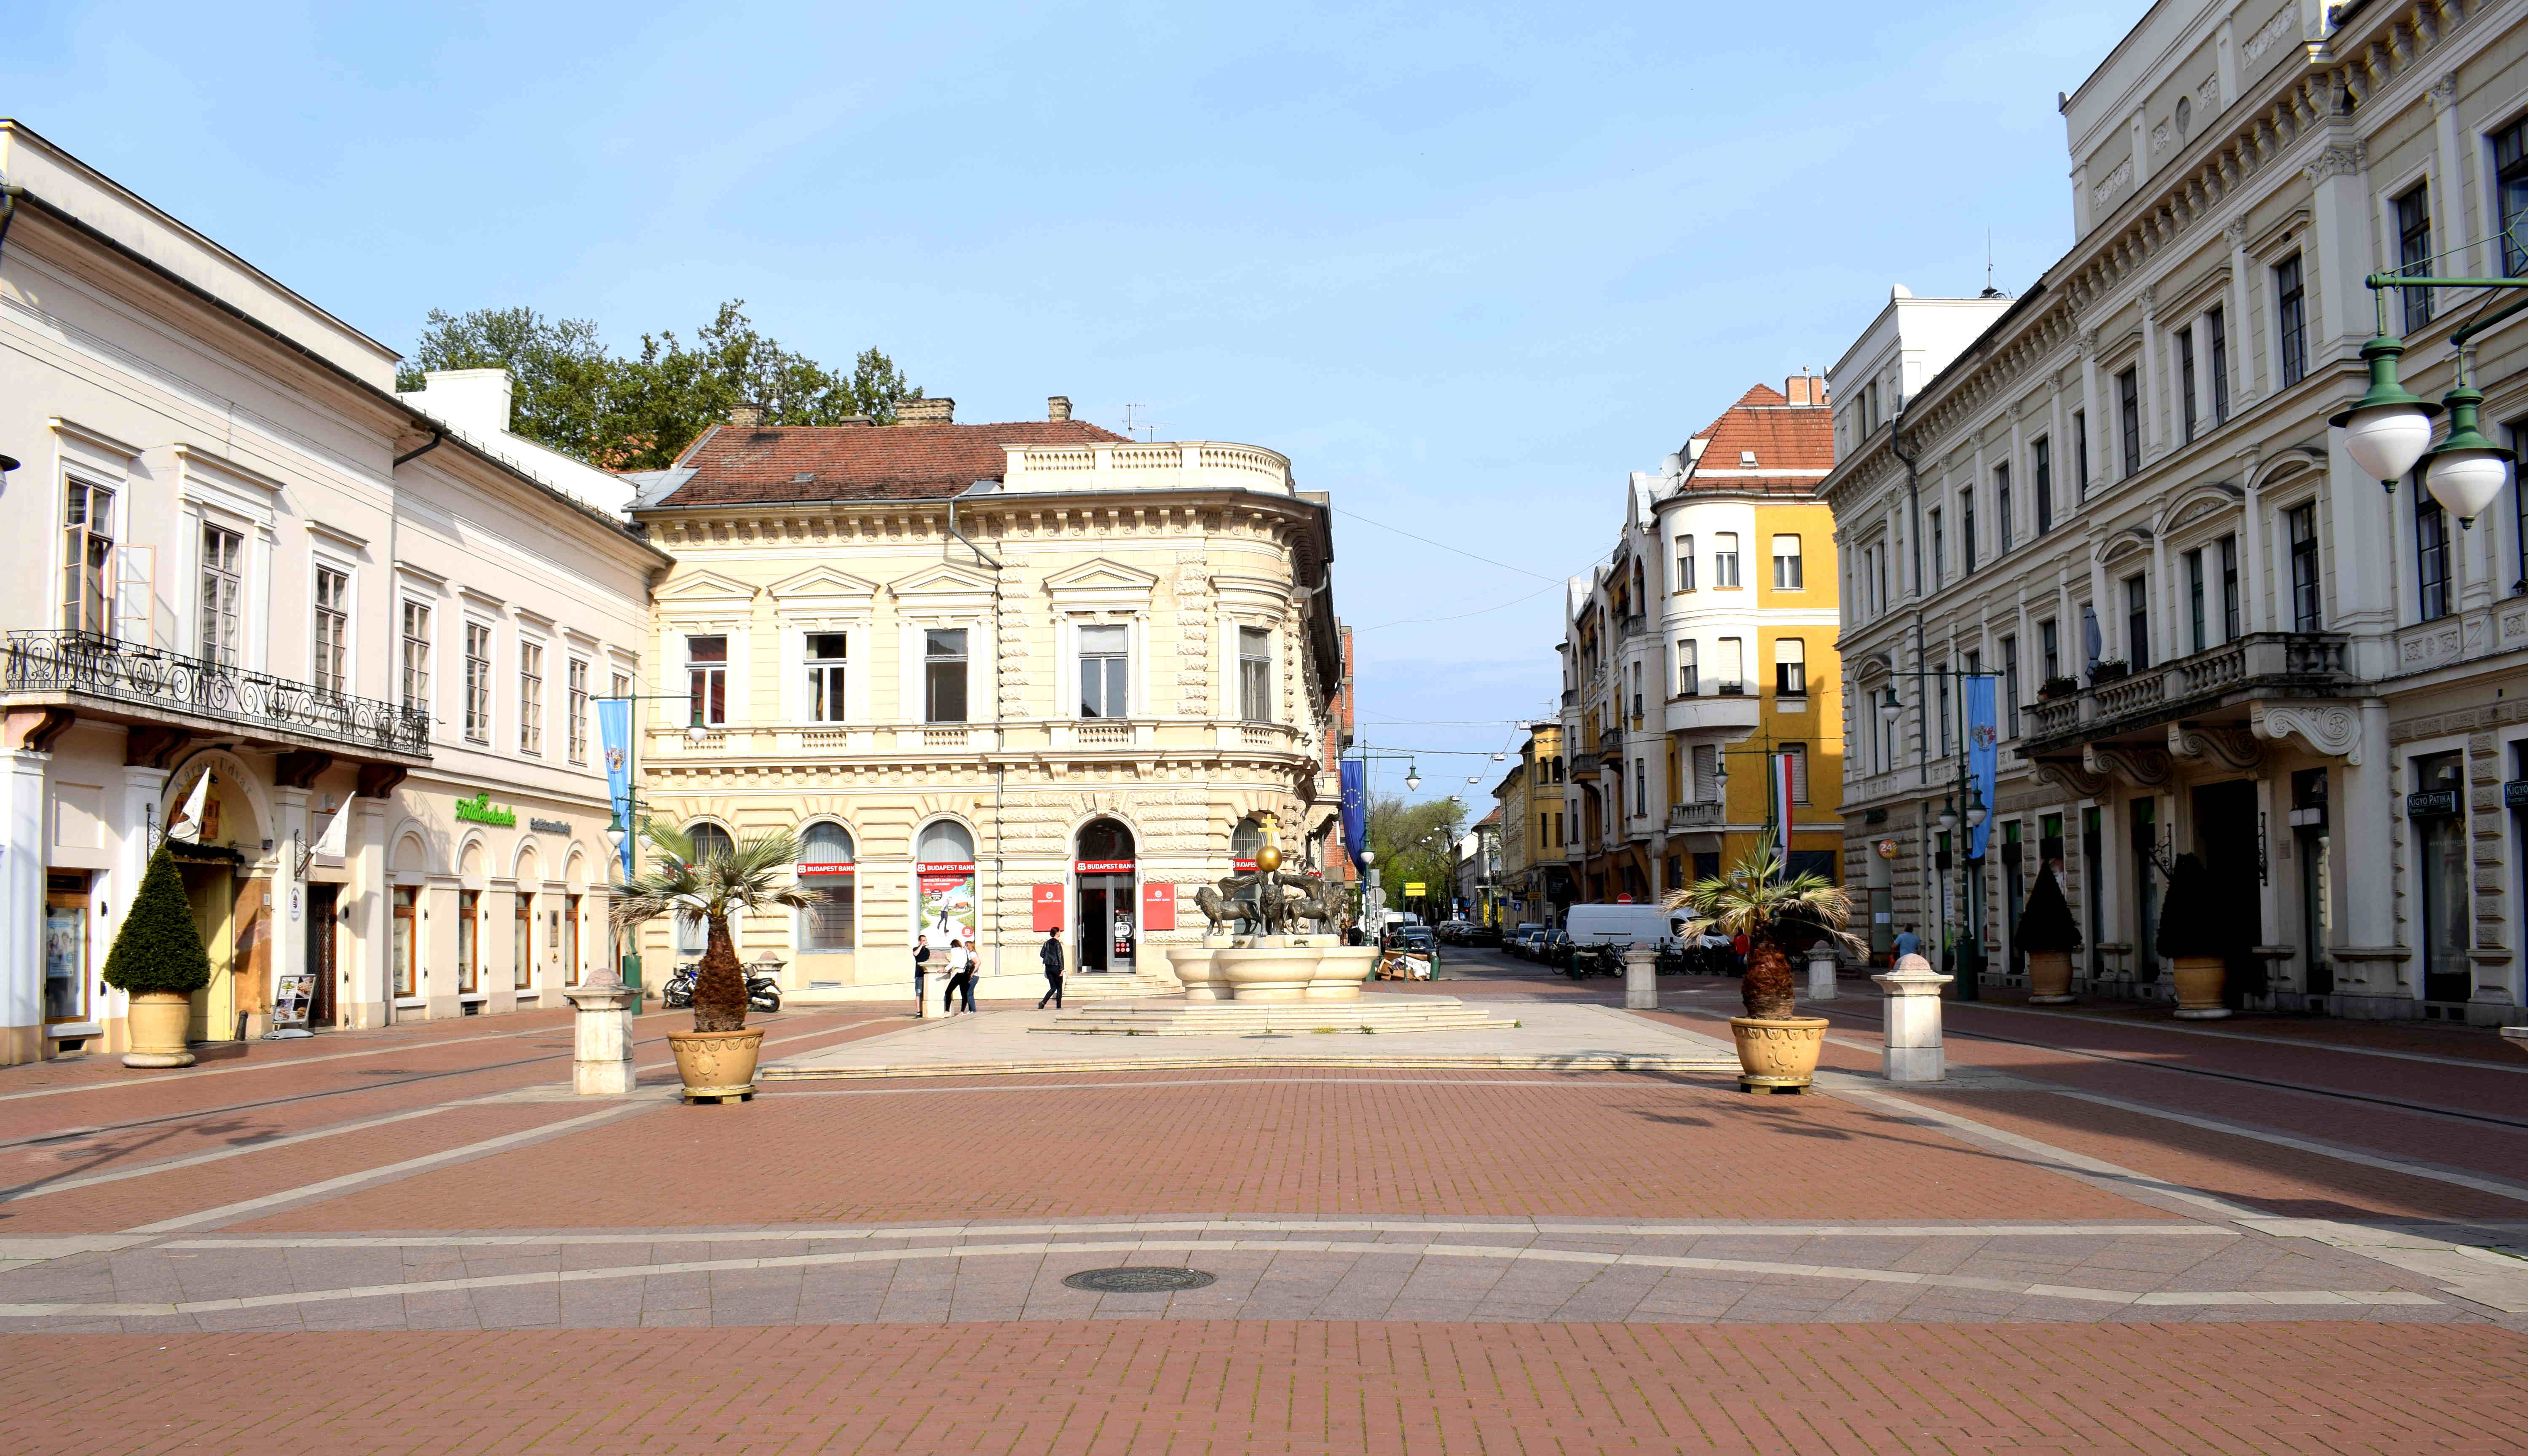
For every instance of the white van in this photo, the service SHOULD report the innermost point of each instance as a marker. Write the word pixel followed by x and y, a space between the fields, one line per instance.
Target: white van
pixel 1623 924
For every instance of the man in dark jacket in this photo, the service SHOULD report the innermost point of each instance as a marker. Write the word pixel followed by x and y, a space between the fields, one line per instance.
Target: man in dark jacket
pixel 1051 954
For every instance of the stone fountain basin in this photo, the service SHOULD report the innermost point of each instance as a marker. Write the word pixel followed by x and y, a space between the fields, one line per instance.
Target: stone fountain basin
pixel 1331 973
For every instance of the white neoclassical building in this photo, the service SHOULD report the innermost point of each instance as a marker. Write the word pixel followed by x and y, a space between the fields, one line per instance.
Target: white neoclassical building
pixel 2119 498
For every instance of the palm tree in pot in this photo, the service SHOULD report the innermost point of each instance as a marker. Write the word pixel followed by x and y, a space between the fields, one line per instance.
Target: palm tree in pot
pixel 716 1058
pixel 1777 1048
pixel 2049 935
pixel 2193 936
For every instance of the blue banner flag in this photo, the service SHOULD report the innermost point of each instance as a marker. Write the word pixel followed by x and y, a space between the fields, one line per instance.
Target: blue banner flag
pixel 614 732
pixel 1984 746
pixel 1355 807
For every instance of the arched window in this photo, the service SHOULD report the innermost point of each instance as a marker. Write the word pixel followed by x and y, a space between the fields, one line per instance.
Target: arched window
pixel 825 844
pixel 1104 839
pixel 827 922
pixel 945 842
pixel 692 936
pixel 1245 840
pixel 710 840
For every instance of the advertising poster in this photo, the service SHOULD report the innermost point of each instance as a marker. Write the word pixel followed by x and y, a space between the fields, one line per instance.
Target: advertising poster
pixel 947 904
pixel 290 999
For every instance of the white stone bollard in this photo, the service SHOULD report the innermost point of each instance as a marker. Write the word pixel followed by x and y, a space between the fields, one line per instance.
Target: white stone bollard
pixel 1914 1050
pixel 1821 973
pixel 1641 978
pixel 601 1039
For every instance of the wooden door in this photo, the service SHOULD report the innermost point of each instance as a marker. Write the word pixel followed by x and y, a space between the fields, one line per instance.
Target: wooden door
pixel 322 934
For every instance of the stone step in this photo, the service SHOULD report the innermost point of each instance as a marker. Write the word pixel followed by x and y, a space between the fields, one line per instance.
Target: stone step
pixel 1094 987
pixel 1292 1018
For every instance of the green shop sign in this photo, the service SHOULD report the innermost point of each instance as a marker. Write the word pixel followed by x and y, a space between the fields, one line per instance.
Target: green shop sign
pixel 481 809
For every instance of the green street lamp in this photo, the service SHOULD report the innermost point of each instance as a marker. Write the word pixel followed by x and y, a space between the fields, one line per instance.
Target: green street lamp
pixel 2388 430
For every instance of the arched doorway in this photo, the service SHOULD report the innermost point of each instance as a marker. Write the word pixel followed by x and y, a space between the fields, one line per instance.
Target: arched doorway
pixel 943 868
pixel 1106 913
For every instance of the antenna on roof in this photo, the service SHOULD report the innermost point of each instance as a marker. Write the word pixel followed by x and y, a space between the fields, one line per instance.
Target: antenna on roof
pixel 1989 291
pixel 1137 420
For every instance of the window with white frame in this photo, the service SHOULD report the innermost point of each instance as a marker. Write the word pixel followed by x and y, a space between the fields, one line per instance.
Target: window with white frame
pixel 1105 670
pixel 223 594
pixel 478 682
pixel 87 558
pixel 1685 563
pixel 828 656
pixel 331 651
pixel 1724 559
pixel 943 675
pixel 577 690
pixel 1255 674
pixel 1790 667
pixel 1687 684
pixel 531 698
pixel 416 655
pixel 706 681
pixel 1732 665
pixel 1788 572
pixel 1798 753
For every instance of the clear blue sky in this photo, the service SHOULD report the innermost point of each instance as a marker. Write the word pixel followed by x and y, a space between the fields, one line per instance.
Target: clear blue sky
pixel 1465 265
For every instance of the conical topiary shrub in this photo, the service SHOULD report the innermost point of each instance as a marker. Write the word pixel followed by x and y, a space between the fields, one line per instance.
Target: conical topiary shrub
pixel 159 947
pixel 2196 939
pixel 2047 935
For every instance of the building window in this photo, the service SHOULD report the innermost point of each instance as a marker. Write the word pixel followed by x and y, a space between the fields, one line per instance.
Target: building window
pixel 2128 417
pixel 2216 344
pixel 943 675
pixel 531 698
pixel 2414 252
pixel 1641 788
pixel 2441 857
pixel 1798 753
pixel 1105 659
pixel 2001 508
pixel 1687 684
pixel 2194 598
pixel 1724 559
pixel 416 655
pixel 622 685
pixel 2228 549
pixel 1732 665
pixel 223 594
pixel 2431 551
pixel 2040 461
pixel 87 555
pixel 2510 174
pixel 2010 685
pixel 706 681
pixel 1255 674
pixel 576 687
pixel 1789 575
pixel 1966 529
pixel 1637 695
pixel 331 651
pixel 2185 382
pixel 1685 563
pixel 478 682
pixel 408 942
pixel 469 941
pixel 2081 452
pixel 1948 728
pixel 827 652
pixel 2049 648
pixel 2291 321
pixel 1790 667
pixel 2137 621
pixel 1939 549
pixel 522 942
pixel 2307 614
pixel 827 923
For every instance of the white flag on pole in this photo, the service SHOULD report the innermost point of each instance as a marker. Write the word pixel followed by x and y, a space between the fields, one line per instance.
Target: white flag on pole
pixel 186 824
pixel 337 831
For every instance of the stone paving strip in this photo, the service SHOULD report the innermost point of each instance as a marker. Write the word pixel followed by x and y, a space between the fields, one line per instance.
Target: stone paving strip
pixel 1546 1267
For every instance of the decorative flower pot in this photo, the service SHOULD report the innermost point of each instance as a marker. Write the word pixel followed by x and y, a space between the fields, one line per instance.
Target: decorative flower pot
pixel 1777 1055
pixel 2049 978
pixel 2199 980
pixel 156 1026
pixel 716 1066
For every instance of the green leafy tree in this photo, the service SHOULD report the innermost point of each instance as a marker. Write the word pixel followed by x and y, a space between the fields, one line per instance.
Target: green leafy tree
pixel 1774 912
pixel 639 412
pixel 694 886
pixel 1411 841
pixel 159 947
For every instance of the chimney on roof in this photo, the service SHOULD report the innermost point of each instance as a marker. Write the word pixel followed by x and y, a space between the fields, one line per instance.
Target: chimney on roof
pixel 746 416
pixel 1804 388
pixel 935 410
pixel 1057 407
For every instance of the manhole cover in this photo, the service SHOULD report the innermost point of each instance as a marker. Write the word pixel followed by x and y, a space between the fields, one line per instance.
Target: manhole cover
pixel 1141 1279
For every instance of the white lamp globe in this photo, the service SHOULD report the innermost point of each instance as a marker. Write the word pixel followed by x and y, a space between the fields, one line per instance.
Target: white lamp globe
pixel 2386 440
pixel 2466 482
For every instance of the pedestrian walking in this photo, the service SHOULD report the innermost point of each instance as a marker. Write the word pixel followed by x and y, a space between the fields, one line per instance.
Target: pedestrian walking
pixel 967 972
pixel 1908 943
pixel 948 960
pixel 920 977
pixel 1050 952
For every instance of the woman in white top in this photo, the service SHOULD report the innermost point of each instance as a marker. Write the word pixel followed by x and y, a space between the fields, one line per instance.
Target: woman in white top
pixel 961 974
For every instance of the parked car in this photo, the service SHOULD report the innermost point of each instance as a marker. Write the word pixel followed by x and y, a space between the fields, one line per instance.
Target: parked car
pixel 1520 938
pixel 1480 935
pixel 1555 949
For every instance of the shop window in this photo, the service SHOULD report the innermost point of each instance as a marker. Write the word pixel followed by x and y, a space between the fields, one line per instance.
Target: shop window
pixel 827 923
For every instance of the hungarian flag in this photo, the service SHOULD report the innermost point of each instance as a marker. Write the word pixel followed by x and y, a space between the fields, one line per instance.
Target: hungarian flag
pixel 1779 784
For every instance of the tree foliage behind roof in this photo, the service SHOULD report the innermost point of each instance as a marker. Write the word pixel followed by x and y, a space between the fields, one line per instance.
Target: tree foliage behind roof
pixel 2046 924
pixel 638 412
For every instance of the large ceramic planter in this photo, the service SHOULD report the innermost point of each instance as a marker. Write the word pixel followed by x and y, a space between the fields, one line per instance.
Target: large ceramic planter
pixel 716 1066
pixel 1341 971
pixel 156 1026
pixel 1198 966
pixel 2049 978
pixel 2199 981
pixel 1777 1055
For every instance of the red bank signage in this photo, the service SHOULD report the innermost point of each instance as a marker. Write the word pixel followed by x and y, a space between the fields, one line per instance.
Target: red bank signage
pixel 943 875
pixel 1158 905
pixel 1101 866
pixel 1047 900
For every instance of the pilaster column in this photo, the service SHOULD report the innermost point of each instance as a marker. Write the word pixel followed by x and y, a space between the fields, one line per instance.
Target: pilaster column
pixel 2240 326
pixel 2368 878
pixel 2340 238
pixel 144 789
pixel 22 909
pixel 364 1003
pixel 2154 439
pixel 289 889
pixel 2449 193
pixel 2258 614
pixel 2093 412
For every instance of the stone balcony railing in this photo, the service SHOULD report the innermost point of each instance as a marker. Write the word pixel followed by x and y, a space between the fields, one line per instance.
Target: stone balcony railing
pixel 109 678
pixel 900 739
pixel 1706 815
pixel 2260 664
pixel 1191 464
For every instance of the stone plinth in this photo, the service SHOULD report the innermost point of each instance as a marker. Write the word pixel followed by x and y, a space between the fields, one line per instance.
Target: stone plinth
pixel 1915 1051
pixel 1820 976
pixel 601 1039
pixel 1641 978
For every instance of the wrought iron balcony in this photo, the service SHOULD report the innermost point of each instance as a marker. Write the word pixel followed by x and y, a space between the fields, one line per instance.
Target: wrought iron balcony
pixel 113 678
pixel 2258 665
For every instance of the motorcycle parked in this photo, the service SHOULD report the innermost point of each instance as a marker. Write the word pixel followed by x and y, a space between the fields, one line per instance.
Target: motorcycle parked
pixel 1595 959
pixel 762 992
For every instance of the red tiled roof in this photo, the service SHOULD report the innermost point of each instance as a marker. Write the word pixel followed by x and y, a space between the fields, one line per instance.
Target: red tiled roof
pixel 1784 435
pixel 860 462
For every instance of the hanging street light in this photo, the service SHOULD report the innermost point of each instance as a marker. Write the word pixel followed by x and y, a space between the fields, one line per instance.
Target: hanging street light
pixel 2466 473
pixel 1948 815
pixel 1891 709
pixel 1976 813
pixel 1412 778
pixel 2386 429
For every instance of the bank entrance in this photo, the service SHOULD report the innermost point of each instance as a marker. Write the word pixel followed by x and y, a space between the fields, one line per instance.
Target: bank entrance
pixel 1103 897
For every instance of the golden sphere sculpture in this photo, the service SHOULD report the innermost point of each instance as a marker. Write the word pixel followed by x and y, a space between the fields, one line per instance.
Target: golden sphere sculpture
pixel 1268 859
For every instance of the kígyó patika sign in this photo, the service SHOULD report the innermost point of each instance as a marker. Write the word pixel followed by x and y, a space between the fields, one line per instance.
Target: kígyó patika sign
pixel 479 810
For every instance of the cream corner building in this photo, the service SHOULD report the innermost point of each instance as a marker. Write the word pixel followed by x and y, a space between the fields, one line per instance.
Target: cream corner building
pixel 993 675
